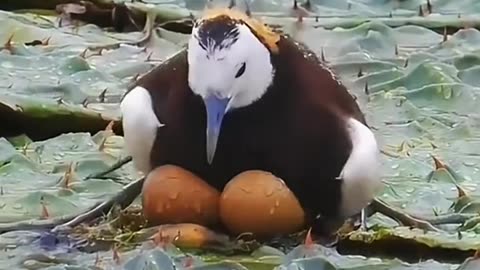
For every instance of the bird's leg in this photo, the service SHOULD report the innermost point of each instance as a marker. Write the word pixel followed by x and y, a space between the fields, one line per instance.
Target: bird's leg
pixel 364 214
pixel 425 223
pixel 363 220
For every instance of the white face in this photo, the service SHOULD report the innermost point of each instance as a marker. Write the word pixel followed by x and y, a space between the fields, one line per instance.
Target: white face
pixel 242 71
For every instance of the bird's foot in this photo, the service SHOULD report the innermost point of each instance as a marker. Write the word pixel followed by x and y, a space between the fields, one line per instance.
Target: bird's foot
pixel 401 217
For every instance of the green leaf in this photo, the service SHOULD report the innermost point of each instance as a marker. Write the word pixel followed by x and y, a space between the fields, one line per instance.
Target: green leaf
pixel 421 100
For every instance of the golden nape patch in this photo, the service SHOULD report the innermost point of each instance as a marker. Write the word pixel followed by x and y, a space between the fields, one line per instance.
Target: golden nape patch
pixel 262 31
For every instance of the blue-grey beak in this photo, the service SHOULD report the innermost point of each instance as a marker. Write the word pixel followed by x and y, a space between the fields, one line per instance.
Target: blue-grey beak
pixel 216 109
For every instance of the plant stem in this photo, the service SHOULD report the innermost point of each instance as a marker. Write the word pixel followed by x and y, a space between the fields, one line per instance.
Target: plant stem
pixel 117 165
pixel 124 198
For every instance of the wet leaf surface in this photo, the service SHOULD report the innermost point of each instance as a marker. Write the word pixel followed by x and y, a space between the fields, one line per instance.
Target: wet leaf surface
pixel 418 87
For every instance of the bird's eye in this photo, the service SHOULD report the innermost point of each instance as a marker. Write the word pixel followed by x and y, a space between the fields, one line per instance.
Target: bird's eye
pixel 241 70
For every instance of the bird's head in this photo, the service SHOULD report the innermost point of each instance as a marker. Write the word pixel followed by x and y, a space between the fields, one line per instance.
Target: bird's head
pixel 229 64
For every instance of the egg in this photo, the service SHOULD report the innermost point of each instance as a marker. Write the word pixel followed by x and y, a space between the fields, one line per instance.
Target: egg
pixel 260 203
pixel 174 195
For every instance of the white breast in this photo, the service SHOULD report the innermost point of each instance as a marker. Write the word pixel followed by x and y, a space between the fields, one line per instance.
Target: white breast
pixel 139 126
pixel 361 175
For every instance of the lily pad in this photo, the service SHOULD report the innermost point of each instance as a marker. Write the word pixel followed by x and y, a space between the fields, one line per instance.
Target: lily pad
pixel 414 74
pixel 44 165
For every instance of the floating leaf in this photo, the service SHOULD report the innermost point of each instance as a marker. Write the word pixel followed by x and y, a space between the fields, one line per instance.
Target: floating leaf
pixel 422 101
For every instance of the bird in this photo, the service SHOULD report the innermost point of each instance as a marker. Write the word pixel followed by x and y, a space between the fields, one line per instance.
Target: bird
pixel 241 96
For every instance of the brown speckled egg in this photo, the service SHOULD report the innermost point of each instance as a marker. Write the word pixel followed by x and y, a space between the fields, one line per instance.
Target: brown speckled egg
pixel 174 195
pixel 258 202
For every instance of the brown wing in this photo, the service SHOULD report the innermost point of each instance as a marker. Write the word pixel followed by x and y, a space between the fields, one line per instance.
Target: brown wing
pixel 316 142
pixel 317 80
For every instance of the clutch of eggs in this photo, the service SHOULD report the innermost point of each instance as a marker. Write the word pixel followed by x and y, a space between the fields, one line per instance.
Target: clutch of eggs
pixel 252 202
